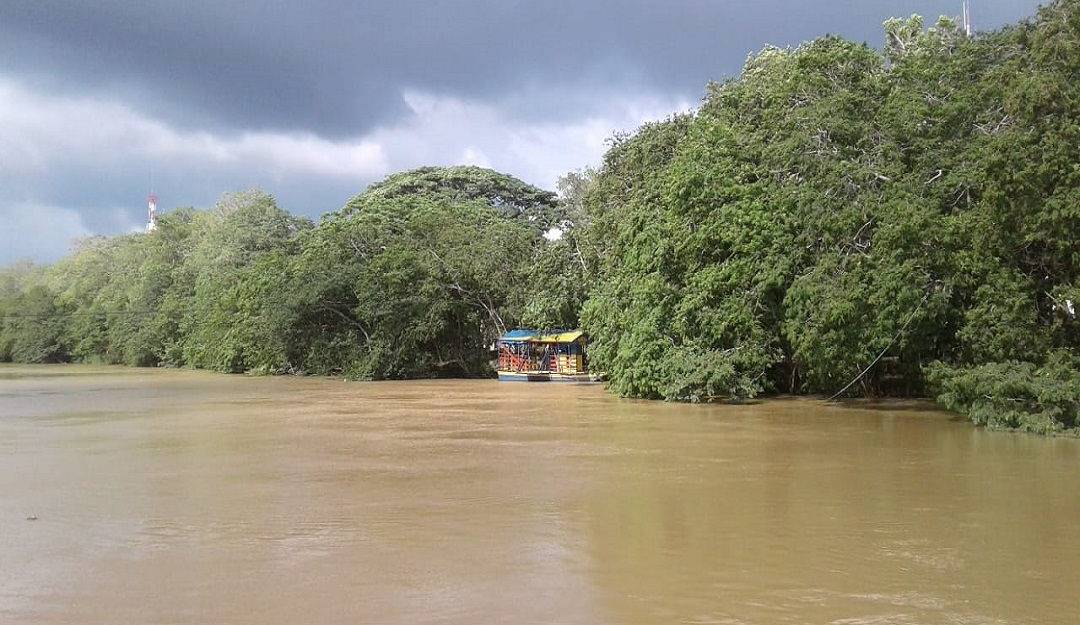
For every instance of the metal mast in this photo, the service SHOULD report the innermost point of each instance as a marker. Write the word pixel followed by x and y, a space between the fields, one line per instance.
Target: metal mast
pixel 967 19
pixel 151 222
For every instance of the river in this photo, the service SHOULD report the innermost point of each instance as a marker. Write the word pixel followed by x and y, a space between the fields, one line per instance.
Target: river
pixel 159 496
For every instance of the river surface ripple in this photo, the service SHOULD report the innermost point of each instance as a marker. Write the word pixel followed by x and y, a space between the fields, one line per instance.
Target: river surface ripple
pixel 158 496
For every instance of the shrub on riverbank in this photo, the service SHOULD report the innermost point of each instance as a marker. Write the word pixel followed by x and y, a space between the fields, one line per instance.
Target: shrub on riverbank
pixel 1014 395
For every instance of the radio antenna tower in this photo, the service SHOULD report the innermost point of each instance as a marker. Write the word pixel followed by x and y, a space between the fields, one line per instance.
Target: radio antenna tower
pixel 967 19
pixel 151 222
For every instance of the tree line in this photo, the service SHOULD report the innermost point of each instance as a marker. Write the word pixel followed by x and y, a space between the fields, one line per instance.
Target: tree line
pixel 836 220
pixel 412 278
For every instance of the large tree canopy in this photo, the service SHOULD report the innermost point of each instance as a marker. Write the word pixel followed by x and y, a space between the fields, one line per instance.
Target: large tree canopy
pixel 511 197
pixel 420 273
pixel 837 215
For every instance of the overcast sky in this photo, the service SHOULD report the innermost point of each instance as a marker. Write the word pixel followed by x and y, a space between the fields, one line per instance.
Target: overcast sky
pixel 102 101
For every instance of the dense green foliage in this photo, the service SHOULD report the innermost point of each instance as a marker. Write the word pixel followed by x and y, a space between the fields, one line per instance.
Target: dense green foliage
pixel 415 277
pixel 1020 395
pixel 837 219
pixel 839 214
pixel 33 327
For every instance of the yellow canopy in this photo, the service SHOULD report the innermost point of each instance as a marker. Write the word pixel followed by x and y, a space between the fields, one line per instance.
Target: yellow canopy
pixel 563 337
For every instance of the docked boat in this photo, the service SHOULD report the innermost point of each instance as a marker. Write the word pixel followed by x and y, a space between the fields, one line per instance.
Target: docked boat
pixel 531 356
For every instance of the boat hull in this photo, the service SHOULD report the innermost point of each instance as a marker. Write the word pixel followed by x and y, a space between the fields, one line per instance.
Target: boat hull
pixel 542 376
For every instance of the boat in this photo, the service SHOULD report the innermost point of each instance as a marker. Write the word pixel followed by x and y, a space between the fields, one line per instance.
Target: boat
pixel 532 356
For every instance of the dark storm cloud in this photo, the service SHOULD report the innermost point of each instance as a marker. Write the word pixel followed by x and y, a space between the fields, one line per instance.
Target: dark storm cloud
pixel 100 102
pixel 338 68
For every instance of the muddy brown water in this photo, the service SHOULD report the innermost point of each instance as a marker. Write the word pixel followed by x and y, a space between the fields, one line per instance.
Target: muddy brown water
pixel 154 496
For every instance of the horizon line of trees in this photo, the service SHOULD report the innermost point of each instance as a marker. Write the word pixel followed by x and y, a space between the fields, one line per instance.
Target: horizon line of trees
pixel 412 278
pixel 835 220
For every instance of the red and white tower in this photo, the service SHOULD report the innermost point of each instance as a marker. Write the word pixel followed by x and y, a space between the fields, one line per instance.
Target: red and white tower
pixel 151 222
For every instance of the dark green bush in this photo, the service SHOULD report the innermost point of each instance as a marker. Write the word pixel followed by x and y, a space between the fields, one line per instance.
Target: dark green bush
pixel 1012 394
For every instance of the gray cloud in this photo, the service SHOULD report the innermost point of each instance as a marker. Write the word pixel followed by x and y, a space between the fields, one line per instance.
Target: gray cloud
pixel 92 155
pixel 312 101
pixel 337 67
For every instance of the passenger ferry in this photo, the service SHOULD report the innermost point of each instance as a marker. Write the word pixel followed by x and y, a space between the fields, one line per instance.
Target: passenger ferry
pixel 530 356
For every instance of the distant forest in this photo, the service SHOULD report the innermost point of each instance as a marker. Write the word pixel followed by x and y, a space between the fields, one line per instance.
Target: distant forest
pixel 836 220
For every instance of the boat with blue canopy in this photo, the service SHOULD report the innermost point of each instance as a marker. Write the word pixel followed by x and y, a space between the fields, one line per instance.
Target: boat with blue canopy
pixel 533 356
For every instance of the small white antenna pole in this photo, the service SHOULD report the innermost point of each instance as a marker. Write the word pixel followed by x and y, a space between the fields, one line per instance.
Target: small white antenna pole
pixel 967 18
pixel 151 213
